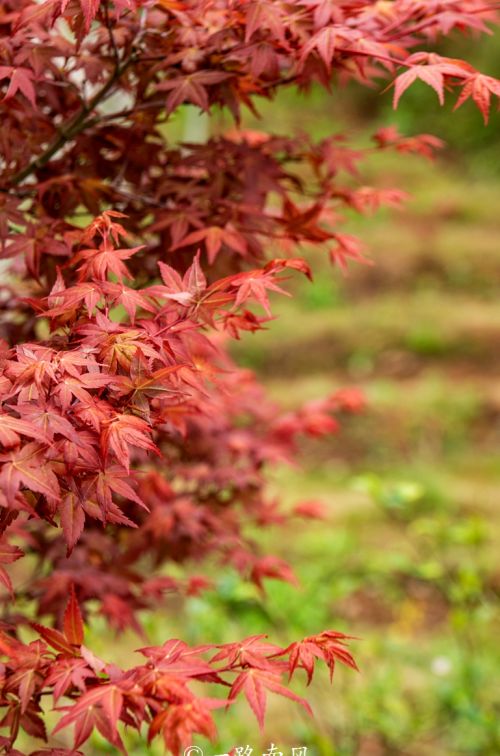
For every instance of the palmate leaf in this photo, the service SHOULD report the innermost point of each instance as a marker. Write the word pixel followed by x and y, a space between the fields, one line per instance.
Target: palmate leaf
pixel 214 237
pixel 28 468
pixel 480 88
pixel 67 673
pixel 432 73
pixel 255 685
pixel 99 708
pixel 180 721
pixel 21 80
pixel 98 263
pixel 12 428
pixel 329 646
pixel 191 88
pixel 50 10
pixel 122 432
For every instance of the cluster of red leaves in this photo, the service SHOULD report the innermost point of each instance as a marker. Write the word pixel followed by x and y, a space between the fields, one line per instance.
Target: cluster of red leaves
pixel 129 440
pixel 157 692
pixel 82 415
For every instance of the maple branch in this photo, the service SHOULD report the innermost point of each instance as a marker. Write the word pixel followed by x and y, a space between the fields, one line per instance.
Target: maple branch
pixel 111 36
pixel 427 23
pixel 130 111
pixel 75 126
pixel 135 196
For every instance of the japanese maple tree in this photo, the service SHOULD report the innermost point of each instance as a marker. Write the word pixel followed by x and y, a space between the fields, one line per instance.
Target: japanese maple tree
pixel 129 439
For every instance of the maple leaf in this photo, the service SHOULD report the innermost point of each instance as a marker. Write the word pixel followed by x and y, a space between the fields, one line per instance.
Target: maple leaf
pixel 67 673
pixel 78 387
pixel 98 707
pixel 326 41
pixel 311 509
pixel 214 237
pixel 28 660
pixel 255 683
pixel 191 88
pixel 262 15
pixel 100 262
pixel 105 227
pixel 130 299
pixel 422 144
pixel 89 10
pixel 480 88
pixel 36 13
pixel 271 567
pixel 27 467
pixel 330 646
pixel 432 74
pixel 253 651
pixel 144 385
pixel 349 248
pixel 47 421
pixel 114 479
pixel 176 657
pixel 64 301
pixel 21 80
pixel 11 430
pixel 180 721
pixel 122 432
pixel 254 285
pixel 186 290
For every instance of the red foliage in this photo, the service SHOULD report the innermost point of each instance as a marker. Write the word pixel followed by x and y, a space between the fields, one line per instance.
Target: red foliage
pixel 129 439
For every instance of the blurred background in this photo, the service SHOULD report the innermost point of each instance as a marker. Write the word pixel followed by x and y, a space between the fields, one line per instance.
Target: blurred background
pixel 406 561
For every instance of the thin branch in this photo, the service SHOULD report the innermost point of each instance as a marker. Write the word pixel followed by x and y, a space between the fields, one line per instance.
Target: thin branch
pixel 112 40
pixel 130 111
pixel 75 125
pixel 134 196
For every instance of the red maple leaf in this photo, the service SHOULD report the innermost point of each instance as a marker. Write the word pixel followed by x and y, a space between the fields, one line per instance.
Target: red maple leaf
pixel 21 80
pixel 255 684
pixel 27 467
pixel 191 88
pixel 432 74
pixel 480 88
